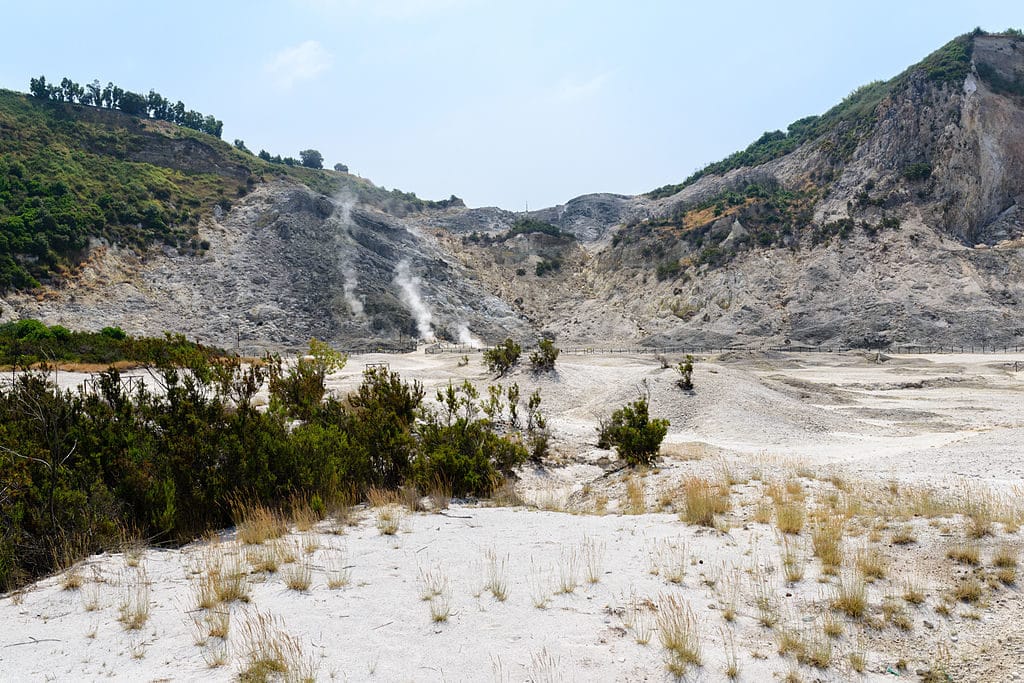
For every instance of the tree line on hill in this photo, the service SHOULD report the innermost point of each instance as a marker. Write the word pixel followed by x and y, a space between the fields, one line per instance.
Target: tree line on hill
pixel 153 105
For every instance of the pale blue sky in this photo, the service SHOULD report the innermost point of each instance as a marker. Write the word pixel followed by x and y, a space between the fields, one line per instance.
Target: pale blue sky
pixel 501 103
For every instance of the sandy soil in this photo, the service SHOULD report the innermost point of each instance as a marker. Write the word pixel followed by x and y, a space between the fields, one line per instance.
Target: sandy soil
pixel 837 434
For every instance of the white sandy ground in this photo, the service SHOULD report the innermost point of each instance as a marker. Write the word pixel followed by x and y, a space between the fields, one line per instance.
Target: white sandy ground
pixel 939 421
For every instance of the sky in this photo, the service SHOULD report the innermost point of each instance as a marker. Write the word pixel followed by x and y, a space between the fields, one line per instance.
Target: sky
pixel 512 104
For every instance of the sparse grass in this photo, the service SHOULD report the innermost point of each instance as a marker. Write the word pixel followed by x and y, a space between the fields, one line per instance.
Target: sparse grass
pixel 858 661
pixel 850 596
pixel 896 613
pixel 90 596
pixel 832 626
pixel 827 542
pixel 268 653
pixel 540 588
pixel 440 607
pixel 635 496
pixel 298 576
pixel 703 500
pixel 389 519
pixel 913 593
pixel 763 511
pixel 134 608
pixel 765 599
pixel 303 513
pixel 339 574
pixel 789 516
pixel 593 559
pixel 671 559
pixel 1006 556
pixel 257 523
pixel 72 579
pixel 495 575
pixel 262 558
pixel 218 623
pixel 792 561
pixel 903 535
pixel 965 553
pixel 872 563
pixel 968 589
pixel 433 582
pixel 440 495
pixel 310 543
pixel 216 656
pixel 679 635
pixel 231 583
pixel 732 662
pixel 568 572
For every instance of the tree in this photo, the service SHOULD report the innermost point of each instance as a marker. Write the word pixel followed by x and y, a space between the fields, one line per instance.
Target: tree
pixel 543 359
pixel 264 154
pixel 133 103
pixel 240 145
pixel 685 370
pixel 312 158
pixel 634 436
pixel 38 88
pixel 502 357
pixel 341 168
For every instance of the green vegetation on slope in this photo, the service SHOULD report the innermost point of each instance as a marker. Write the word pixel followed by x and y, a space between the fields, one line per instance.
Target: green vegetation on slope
pixel 27 342
pixel 71 173
pixel 82 469
pixel 849 120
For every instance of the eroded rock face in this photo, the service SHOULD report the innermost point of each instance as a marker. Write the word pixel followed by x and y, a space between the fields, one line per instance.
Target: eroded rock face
pixel 934 257
pixel 284 265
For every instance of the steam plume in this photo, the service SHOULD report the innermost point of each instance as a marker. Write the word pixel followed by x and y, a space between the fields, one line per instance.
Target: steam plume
pixel 409 285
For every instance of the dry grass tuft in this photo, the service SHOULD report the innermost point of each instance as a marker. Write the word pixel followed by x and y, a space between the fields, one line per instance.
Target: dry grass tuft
pixel 827 541
pixel 872 563
pixel 257 523
pixel 965 553
pixel 635 503
pixel 133 610
pixel 913 593
pixel 679 635
pixel 339 573
pixel 789 516
pixel 268 653
pixel 389 518
pixel 670 560
pixel 495 579
pixel 593 559
pixel 851 596
pixel 968 589
pixel 702 500
pixel 298 576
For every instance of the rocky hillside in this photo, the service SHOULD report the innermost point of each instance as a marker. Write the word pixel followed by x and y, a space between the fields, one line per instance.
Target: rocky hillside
pixel 892 218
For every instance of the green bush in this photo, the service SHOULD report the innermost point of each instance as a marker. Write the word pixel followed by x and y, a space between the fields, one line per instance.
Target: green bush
pixel 685 370
pixel 917 171
pixel 462 449
pixel 634 436
pixel 543 359
pixel 502 357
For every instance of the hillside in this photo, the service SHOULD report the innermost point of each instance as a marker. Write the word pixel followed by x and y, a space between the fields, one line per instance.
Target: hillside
pixel 891 218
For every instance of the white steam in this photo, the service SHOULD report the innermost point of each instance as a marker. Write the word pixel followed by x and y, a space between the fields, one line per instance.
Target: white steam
pixel 409 285
pixel 343 218
pixel 467 338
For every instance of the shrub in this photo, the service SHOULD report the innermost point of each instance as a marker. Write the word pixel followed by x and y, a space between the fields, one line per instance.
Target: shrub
pixel 299 390
pixel 634 436
pixel 461 449
pixel 685 370
pixel 917 171
pixel 502 357
pixel 543 359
